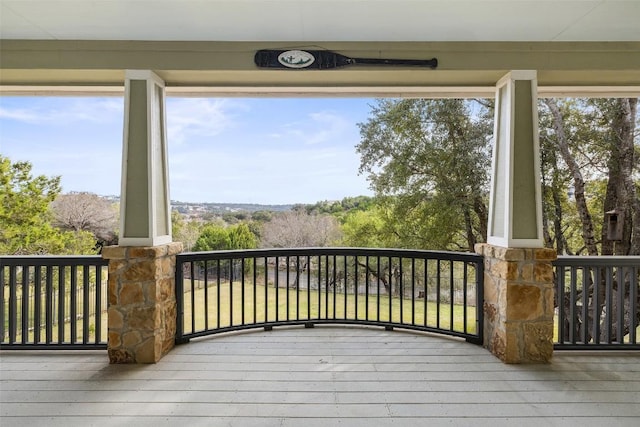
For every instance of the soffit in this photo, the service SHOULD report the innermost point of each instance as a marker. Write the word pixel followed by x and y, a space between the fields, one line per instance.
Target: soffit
pixel 327 20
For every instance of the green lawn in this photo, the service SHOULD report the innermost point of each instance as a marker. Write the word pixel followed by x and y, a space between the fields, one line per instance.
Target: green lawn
pixel 268 304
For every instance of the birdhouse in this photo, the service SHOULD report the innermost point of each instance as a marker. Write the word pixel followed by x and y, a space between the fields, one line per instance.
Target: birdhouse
pixel 614 221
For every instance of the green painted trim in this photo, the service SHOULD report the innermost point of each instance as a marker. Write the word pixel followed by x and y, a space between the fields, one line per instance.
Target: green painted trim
pixel 524 219
pixel 500 172
pixel 40 62
pixel 136 213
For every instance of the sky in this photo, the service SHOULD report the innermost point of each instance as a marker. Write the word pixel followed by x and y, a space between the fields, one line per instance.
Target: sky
pixel 241 150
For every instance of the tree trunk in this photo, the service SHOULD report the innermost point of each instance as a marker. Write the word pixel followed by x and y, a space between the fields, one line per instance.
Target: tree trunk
pixel 578 181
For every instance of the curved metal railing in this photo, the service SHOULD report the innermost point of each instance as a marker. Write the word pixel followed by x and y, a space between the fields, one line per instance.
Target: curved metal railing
pixel 431 291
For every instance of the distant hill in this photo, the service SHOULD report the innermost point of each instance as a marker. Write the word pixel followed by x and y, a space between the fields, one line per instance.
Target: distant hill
pixel 229 207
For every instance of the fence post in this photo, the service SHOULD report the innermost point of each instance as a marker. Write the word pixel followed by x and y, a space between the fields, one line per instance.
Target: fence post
pixel 142 302
pixel 518 303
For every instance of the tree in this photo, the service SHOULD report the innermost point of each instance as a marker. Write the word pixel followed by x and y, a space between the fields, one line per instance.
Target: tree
pixel 428 162
pixel 86 212
pixel 185 231
pixel 595 140
pixel 25 226
pixel 297 229
pixel 588 150
pixel 241 237
pixel 212 238
pixel 217 238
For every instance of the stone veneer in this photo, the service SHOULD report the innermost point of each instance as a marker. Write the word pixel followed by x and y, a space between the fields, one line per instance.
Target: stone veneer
pixel 142 302
pixel 518 303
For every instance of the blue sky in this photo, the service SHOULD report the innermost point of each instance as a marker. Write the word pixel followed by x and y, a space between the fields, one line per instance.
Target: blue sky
pixel 266 150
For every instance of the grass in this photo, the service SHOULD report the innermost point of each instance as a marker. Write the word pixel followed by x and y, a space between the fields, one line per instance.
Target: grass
pixel 263 304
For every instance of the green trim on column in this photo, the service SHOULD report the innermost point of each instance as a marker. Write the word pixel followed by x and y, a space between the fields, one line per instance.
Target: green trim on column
pixel 160 174
pixel 524 220
pixel 501 164
pixel 137 196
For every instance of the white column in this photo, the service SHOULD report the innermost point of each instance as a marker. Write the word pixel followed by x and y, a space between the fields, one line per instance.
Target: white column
pixel 145 218
pixel 515 205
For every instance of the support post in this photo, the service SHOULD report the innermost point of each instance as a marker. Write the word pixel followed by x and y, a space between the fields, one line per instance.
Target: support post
pixel 518 303
pixel 142 302
pixel 518 287
pixel 145 215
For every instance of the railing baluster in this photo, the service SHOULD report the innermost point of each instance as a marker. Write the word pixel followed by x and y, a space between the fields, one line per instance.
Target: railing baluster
pixel 297 287
pixel 308 287
pixel 390 290
pixel 413 291
pixel 255 290
pixel 366 289
pixel 13 304
pixel 378 296
pixel 24 314
pixel 451 294
pixel 585 303
pixel 37 307
pixel 266 289
pixel 73 308
pixel 287 277
pixel 438 297
pixel 206 295
pixel 86 289
pixel 426 290
pixel 98 310
pixel 465 305
pixel 356 285
pixel 621 292
pixel 61 302
pixel 572 305
pixel 633 307
pixel 2 303
pixel 346 288
pixel 596 308
pixel 242 283
pixel 335 285
pixel 401 288
pixel 230 270
pixel 609 300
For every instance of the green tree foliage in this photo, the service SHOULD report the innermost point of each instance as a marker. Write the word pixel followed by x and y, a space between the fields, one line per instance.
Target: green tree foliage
pixel 185 230
pixel 589 166
pixel 241 237
pixel 25 217
pixel 428 162
pixel 364 229
pixel 216 238
pixel 338 208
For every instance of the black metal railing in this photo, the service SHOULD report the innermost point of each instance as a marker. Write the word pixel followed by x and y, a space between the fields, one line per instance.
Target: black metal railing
pixel 597 302
pixel 231 290
pixel 52 302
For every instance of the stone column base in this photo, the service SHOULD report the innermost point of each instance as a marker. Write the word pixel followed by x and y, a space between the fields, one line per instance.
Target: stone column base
pixel 142 302
pixel 518 303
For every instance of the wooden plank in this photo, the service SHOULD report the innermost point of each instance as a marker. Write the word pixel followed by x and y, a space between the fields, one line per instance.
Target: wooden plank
pixel 319 377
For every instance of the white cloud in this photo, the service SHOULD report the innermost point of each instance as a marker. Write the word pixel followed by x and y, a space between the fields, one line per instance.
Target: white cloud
pixel 66 111
pixel 189 117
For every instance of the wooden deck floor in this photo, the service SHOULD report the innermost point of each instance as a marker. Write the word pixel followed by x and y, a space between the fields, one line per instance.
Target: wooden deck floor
pixel 321 377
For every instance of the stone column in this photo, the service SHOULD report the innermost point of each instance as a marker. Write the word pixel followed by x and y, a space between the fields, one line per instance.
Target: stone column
pixel 142 302
pixel 518 303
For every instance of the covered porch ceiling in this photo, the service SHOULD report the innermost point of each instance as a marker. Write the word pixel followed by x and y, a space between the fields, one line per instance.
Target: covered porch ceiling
pixel 207 47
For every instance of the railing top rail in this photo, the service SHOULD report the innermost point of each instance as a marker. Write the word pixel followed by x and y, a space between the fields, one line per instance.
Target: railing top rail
pixel 598 261
pixel 341 251
pixel 47 260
